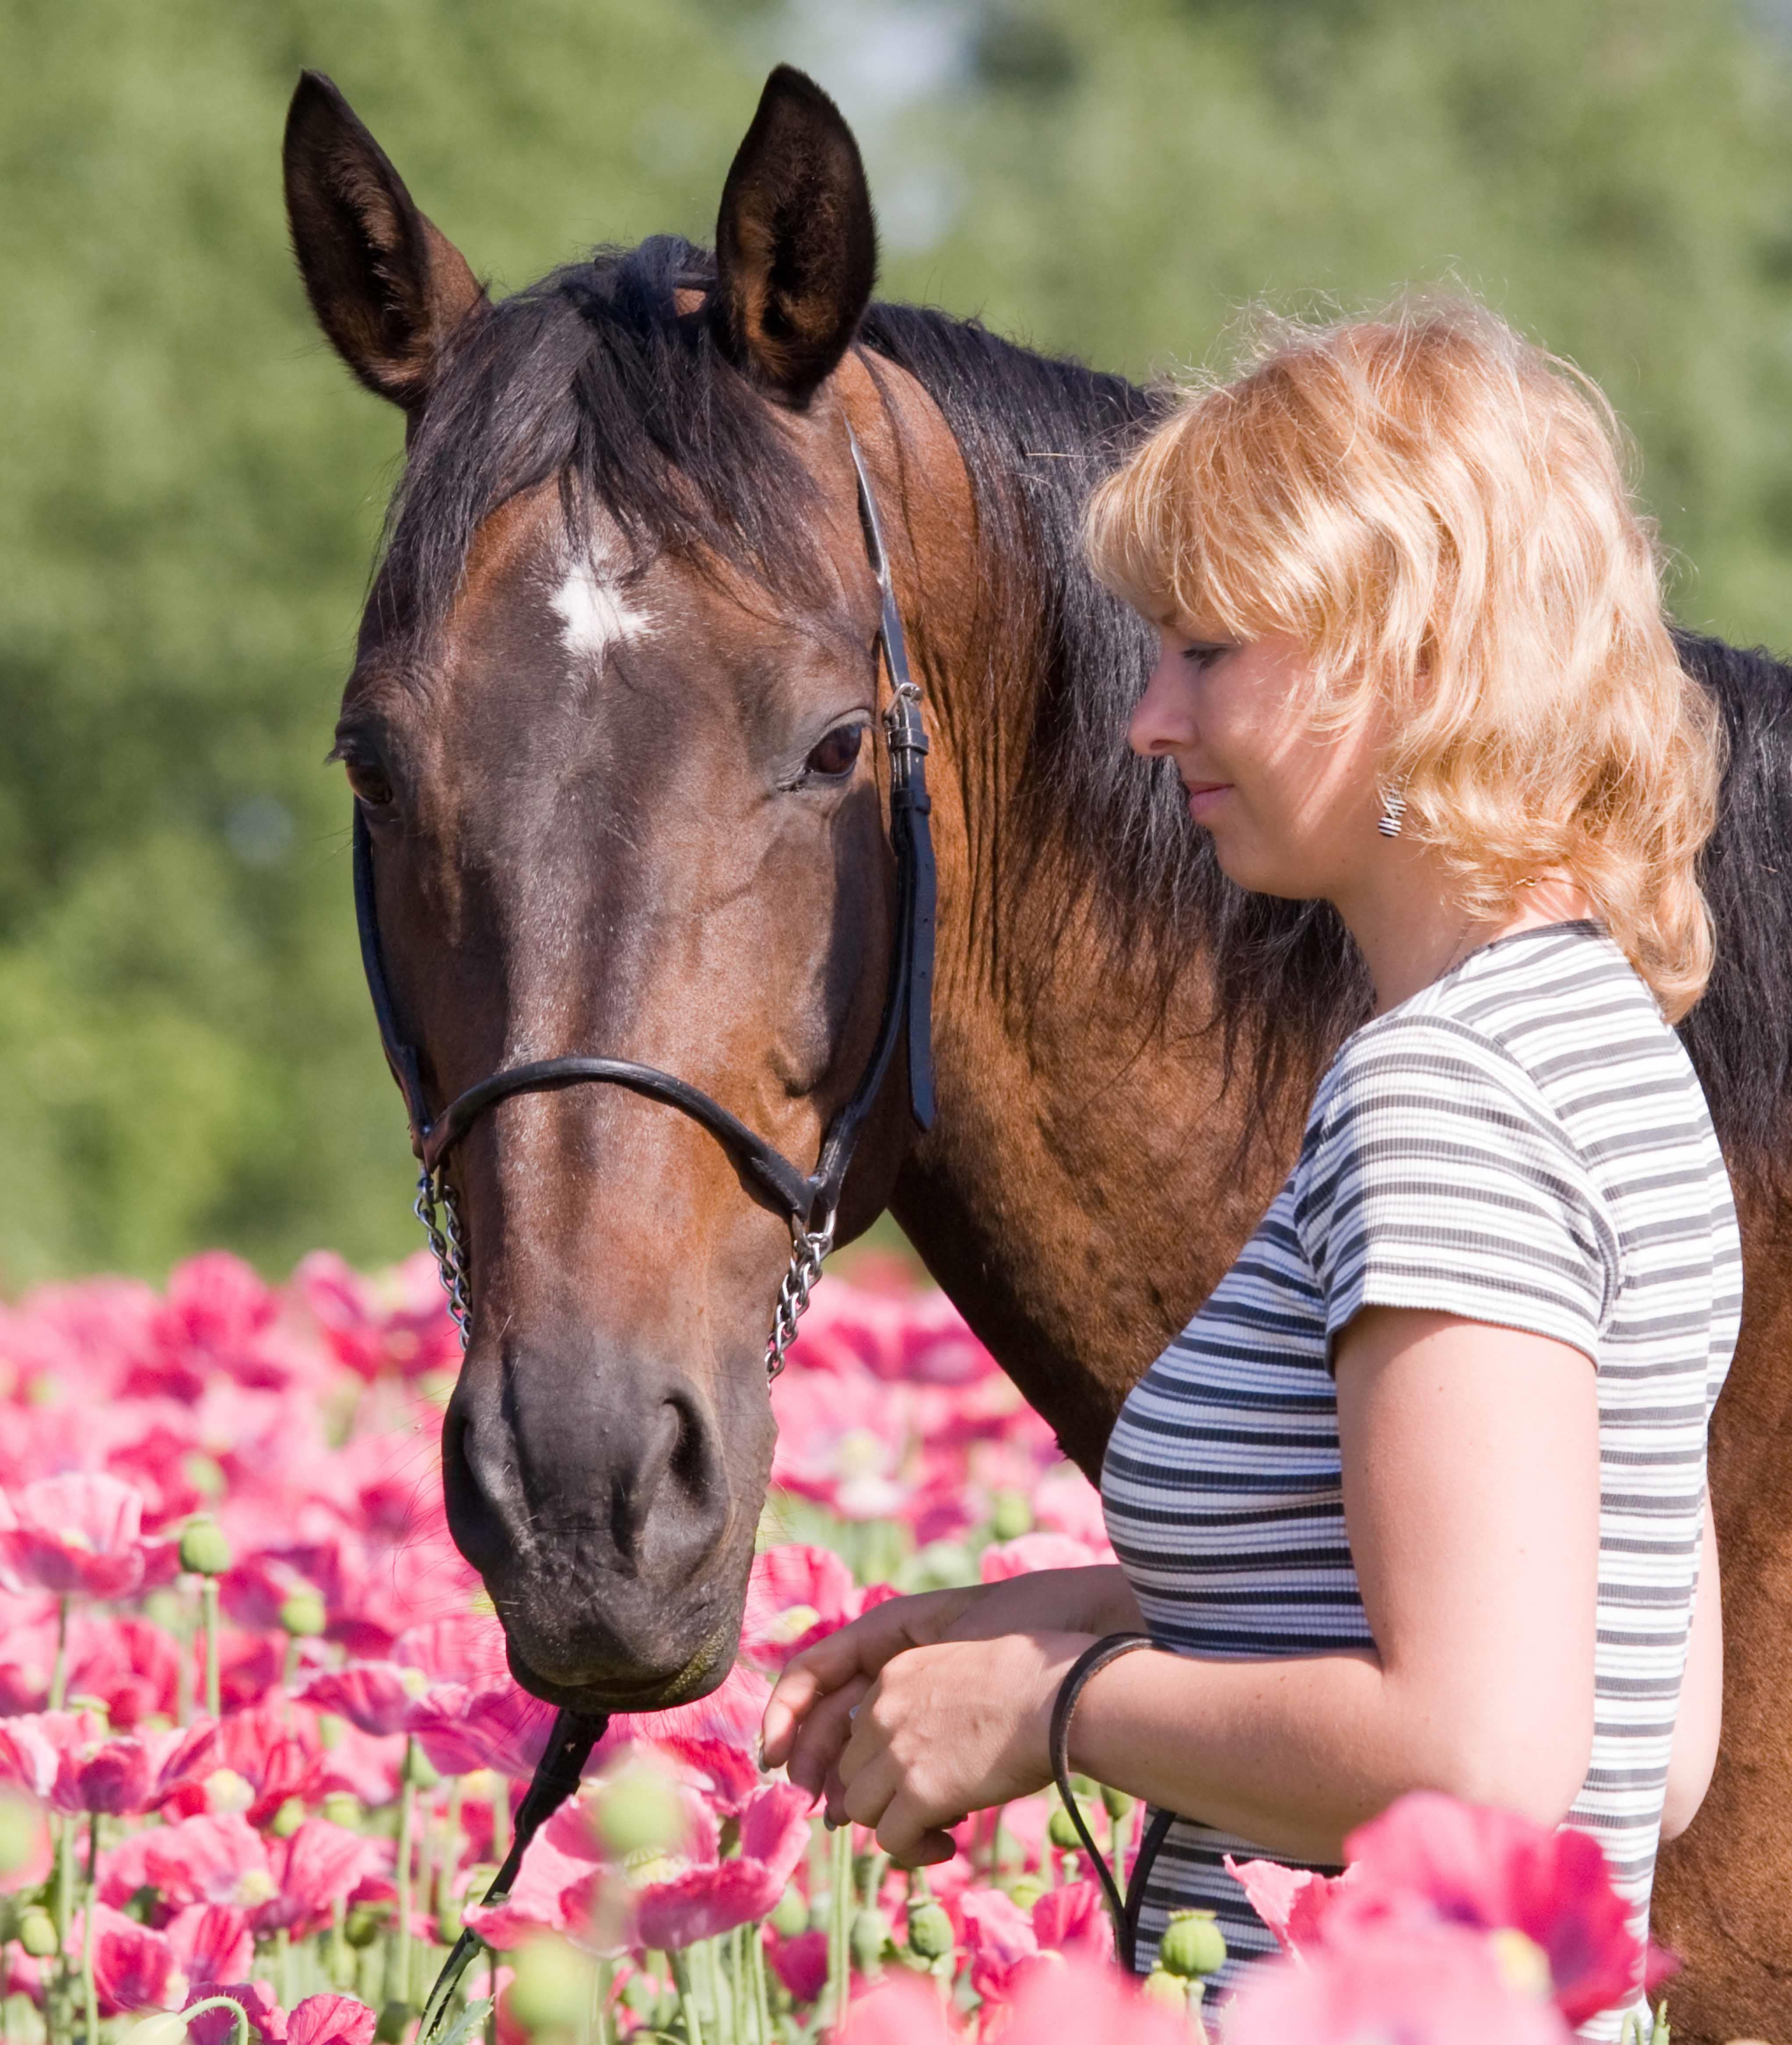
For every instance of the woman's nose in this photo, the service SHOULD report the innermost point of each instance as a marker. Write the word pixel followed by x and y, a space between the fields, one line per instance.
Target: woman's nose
pixel 1160 721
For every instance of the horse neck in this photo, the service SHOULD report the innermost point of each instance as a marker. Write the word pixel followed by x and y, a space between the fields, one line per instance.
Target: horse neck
pixel 1079 1193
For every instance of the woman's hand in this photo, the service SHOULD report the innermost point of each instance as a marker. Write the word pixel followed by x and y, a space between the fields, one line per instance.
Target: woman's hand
pixel 805 1726
pixel 948 1729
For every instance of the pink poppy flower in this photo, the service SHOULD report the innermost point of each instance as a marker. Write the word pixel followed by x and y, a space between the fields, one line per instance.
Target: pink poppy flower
pixel 707 1900
pixel 461 1729
pixel 210 1941
pixel 265 1754
pixel 131 1664
pixel 1438 1984
pixel 134 1968
pixel 794 1594
pixel 266 2020
pixel 1065 1502
pixel 65 1759
pixel 217 1317
pixel 1073 1997
pixel 1492 1870
pixel 901 2009
pixel 800 1962
pixel 1005 1559
pixel 465 1647
pixel 552 1886
pixel 1292 1901
pixel 375 1695
pixel 330 2020
pixel 999 1939
pixel 74 1535
pixel 399 1327
pixel 282 1884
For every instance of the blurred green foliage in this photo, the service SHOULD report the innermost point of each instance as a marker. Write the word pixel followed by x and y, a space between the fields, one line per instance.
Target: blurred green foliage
pixel 193 488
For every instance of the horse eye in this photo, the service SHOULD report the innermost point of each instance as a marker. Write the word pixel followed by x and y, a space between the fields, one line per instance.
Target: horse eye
pixel 838 752
pixel 369 783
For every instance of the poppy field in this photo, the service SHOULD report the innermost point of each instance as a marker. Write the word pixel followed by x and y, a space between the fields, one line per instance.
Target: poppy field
pixel 260 1753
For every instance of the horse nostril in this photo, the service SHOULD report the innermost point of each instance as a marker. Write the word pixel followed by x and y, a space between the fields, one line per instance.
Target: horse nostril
pixel 676 1447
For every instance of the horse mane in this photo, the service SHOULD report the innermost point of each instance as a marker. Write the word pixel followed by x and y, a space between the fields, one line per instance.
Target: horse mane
pixel 592 379
pixel 1739 1035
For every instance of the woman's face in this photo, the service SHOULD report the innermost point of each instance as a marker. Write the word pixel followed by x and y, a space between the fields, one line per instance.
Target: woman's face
pixel 1292 810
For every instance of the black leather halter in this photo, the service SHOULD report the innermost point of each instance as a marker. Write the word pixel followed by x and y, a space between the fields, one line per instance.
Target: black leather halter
pixel 809 1200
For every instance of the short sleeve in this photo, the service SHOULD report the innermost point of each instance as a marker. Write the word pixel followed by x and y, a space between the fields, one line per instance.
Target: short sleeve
pixel 1435 1173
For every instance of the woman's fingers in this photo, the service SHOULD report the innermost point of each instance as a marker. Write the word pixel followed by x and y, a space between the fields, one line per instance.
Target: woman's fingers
pixel 820 1735
pixel 860 1648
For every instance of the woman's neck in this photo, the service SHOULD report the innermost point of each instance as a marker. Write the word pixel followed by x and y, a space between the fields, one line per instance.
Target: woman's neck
pixel 1411 930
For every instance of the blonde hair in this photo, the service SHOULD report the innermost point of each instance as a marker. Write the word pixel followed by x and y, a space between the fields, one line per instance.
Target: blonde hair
pixel 1437 511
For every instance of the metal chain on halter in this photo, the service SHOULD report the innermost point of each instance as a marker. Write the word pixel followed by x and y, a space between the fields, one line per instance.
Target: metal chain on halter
pixel 808 1251
pixel 445 1240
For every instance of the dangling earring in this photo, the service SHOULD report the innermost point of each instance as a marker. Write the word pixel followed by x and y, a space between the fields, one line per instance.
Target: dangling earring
pixel 1388 823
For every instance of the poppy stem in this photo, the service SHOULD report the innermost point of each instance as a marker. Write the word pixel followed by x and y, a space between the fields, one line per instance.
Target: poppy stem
pixel 839 1918
pixel 208 1623
pixel 687 1999
pixel 241 2036
pixel 407 1826
pixel 762 1987
pixel 59 1671
pixel 90 1993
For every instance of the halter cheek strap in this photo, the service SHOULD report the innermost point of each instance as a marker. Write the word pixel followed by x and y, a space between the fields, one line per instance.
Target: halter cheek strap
pixel 809 1200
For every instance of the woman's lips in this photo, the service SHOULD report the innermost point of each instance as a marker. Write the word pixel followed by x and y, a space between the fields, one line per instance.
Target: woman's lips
pixel 1203 796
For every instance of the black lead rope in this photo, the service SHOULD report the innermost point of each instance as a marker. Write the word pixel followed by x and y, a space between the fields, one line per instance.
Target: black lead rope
pixel 1123 1909
pixel 556 1776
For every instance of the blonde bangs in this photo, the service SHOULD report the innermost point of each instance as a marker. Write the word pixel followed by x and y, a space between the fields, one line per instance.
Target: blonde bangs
pixel 1437 511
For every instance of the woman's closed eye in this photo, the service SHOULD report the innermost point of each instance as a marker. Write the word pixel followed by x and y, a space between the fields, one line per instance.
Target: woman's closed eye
pixel 1204 653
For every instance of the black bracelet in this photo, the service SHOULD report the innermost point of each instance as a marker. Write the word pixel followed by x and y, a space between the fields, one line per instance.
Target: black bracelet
pixel 1124 1910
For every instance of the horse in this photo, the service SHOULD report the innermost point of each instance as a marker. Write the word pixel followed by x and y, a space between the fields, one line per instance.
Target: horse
pixel 606 733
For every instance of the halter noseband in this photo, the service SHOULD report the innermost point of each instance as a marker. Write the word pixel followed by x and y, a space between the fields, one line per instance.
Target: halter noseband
pixel 810 1200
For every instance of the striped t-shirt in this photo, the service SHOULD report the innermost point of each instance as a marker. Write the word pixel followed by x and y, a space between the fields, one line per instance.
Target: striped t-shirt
pixel 1522 1142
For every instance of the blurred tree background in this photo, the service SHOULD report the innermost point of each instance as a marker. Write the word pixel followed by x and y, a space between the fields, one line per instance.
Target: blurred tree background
pixel 193 488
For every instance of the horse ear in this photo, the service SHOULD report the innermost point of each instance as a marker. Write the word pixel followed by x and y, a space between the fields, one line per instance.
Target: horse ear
pixel 388 287
pixel 796 245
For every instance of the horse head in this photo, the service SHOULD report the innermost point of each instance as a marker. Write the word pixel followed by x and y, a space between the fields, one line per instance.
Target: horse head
pixel 610 732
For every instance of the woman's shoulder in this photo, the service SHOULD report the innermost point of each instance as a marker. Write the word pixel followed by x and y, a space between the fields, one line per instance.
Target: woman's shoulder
pixel 1510 1028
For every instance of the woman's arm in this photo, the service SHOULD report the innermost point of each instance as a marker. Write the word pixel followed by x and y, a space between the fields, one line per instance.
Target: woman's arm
pixel 1470 1458
pixel 1694 1755
pixel 1470 1461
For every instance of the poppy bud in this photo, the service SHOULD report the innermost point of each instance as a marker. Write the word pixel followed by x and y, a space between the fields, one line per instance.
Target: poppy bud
pixel 791 1914
pixel 303 1616
pixel 930 1931
pixel 638 1809
pixel 37 1934
pixel 1116 1802
pixel 343 1808
pixel 1060 1829
pixel 1010 1516
pixel 21 1828
pixel 203 1548
pixel 868 1937
pixel 364 1923
pixel 394 2021
pixel 287 1819
pixel 168 2028
pixel 552 1989
pixel 1192 1944
pixel 1027 1890
pixel 1162 1987
pixel 419 1770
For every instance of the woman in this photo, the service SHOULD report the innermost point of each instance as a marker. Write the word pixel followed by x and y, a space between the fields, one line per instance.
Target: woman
pixel 1417 1500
